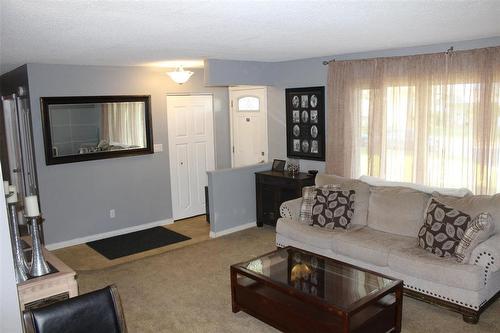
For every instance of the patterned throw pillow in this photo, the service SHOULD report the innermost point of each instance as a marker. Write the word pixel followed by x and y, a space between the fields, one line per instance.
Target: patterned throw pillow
pixel 308 196
pixel 479 230
pixel 333 208
pixel 443 229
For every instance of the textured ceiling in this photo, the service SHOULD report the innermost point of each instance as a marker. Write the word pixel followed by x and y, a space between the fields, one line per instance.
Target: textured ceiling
pixel 142 32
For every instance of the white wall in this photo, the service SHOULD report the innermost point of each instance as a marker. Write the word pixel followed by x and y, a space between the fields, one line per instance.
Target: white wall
pixel 10 315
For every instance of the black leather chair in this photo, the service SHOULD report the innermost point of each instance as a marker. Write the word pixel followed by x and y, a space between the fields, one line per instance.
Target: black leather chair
pixel 99 311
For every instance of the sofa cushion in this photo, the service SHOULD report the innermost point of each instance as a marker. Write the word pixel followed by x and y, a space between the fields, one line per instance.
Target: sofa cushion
pixel 307 234
pixel 362 194
pixel 369 245
pixel 398 210
pixel 308 199
pixel 422 264
pixel 332 208
pixel 457 192
pixel 480 229
pixel 473 205
pixel 443 229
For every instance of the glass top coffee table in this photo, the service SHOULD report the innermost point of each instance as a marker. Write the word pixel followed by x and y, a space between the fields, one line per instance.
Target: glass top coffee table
pixel 298 291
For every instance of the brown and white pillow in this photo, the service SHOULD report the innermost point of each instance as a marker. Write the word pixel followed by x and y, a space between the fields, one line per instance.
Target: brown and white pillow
pixel 443 228
pixel 308 196
pixel 479 230
pixel 333 208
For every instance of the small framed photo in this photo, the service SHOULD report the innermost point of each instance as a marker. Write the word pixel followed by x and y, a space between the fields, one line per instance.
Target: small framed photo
pixel 314 116
pixel 314 131
pixel 304 116
pixel 314 101
pixel 314 146
pixel 304 101
pixel 279 165
pixel 305 123
pixel 305 146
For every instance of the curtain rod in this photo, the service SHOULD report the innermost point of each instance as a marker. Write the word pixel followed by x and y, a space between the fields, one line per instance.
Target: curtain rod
pixel 448 51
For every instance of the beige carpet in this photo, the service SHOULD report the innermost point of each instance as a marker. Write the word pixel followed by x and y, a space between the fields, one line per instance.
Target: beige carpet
pixel 188 290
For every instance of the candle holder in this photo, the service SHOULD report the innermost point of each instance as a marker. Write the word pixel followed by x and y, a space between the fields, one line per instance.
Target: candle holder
pixel 20 265
pixel 39 265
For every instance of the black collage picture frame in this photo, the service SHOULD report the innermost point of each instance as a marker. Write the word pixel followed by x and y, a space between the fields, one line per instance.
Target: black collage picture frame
pixel 305 123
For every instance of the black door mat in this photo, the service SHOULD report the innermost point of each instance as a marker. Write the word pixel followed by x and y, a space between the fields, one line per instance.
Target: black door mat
pixel 136 242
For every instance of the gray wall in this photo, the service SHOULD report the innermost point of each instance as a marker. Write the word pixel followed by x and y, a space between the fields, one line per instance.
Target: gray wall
pixel 232 196
pixel 304 73
pixel 76 198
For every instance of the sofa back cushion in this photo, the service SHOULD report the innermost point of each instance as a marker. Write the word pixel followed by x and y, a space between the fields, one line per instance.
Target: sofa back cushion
pixel 456 192
pixel 473 205
pixel 397 210
pixel 361 196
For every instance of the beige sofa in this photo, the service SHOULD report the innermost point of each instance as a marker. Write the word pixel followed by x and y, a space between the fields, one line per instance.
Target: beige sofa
pixel 383 238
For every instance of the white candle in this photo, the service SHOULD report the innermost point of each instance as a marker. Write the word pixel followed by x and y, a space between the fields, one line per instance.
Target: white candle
pixel 31 206
pixel 13 197
pixel 6 187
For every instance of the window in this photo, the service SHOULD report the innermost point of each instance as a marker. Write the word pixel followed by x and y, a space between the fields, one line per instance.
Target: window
pixel 429 119
pixel 248 103
pixel 449 127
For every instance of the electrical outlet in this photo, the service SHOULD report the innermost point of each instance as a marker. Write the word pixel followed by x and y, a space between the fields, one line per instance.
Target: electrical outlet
pixel 112 213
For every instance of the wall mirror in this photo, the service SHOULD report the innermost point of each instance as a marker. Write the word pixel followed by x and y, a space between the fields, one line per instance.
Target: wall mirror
pixel 86 128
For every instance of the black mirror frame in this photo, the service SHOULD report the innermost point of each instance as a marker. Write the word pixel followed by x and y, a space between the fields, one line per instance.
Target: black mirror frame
pixel 47 135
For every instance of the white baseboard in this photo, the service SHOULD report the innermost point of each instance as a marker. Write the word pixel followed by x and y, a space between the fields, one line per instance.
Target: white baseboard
pixel 233 229
pixel 81 240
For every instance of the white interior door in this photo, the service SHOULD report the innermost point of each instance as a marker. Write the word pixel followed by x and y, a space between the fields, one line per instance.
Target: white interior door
pixel 248 125
pixel 191 151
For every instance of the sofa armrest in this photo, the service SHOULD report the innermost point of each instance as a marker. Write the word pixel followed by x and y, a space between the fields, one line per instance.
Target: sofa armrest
pixel 291 208
pixel 487 254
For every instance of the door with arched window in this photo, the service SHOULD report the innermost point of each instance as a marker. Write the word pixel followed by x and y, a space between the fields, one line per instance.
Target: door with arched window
pixel 248 125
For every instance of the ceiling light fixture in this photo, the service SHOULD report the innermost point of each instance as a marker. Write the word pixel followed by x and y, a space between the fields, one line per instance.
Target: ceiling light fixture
pixel 180 76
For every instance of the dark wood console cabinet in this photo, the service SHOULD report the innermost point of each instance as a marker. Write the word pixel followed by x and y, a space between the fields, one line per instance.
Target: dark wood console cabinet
pixel 273 188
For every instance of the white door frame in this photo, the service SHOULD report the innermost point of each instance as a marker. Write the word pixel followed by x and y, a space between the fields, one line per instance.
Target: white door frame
pixel 170 141
pixel 231 116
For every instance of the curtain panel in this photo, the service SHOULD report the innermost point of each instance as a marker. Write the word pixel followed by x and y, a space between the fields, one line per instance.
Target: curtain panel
pixel 123 124
pixel 432 119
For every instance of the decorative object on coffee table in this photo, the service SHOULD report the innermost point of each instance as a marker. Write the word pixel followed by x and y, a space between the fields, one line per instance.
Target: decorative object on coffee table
pixel 305 123
pixel 298 291
pixel 273 188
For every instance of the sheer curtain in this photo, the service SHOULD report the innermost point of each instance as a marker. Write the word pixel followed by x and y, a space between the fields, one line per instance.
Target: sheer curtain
pixel 431 119
pixel 124 123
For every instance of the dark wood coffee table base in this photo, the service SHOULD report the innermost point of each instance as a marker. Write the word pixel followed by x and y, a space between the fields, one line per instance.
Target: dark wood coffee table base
pixel 289 310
